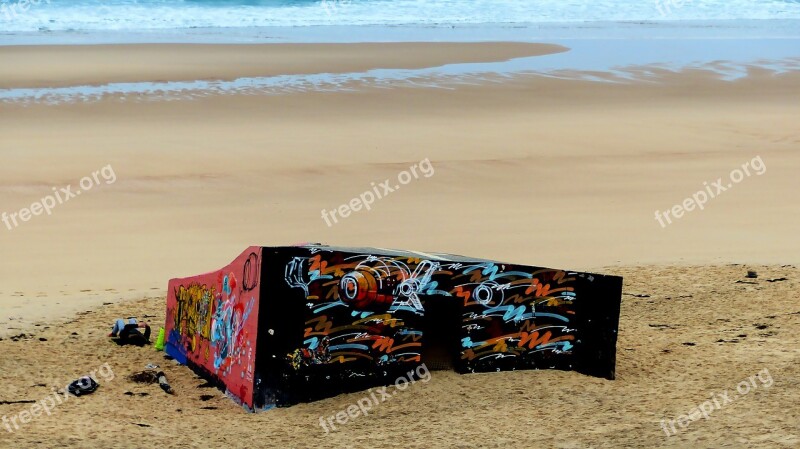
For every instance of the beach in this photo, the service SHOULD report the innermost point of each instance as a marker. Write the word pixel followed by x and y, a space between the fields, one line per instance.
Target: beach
pixel 534 170
pixel 679 179
pixel 688 334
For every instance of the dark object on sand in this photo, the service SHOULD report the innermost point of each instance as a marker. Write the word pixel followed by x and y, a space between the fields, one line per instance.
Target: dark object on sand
pixel 162 382
pixel 152 377
pixel 127 333
pixel 751 274
pixel 144 377
pixel 82 386
pixel 777 280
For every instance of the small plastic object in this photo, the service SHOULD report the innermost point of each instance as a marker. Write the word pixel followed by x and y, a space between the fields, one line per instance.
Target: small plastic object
pixel 84 385
pixel 160 340
pixel 162 382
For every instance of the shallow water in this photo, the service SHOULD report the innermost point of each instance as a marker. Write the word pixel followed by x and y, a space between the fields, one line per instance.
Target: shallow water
pixel 610 60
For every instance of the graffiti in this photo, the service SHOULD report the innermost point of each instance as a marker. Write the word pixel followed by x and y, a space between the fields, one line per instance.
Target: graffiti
pixel 415 283
pixel 228 335
pixel 212 323
pixel 192 319
pixel 508 312
pixel 318 353
pixel 295 274
pixel 332 317
pixel 376 283
pixel 251 273
pixel 514 315
pixel 214 315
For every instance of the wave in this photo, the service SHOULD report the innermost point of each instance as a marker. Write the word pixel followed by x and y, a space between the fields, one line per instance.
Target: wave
pixel 93 15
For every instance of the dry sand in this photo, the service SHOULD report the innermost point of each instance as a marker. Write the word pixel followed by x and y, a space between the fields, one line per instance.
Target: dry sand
pixel 696 334
pixel 537 171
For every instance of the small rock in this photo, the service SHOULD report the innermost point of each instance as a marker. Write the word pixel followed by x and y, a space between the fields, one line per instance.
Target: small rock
pixel 751 274
pixel 42 339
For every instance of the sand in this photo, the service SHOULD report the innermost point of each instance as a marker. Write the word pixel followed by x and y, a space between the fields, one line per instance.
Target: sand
pixel 687 335
pixel 48 66
pixel 537 171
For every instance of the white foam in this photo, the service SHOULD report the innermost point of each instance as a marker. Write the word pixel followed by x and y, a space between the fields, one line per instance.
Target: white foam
pixel 62 15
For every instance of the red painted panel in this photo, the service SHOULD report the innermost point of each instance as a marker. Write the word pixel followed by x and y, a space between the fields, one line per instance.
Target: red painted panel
pixel 212 322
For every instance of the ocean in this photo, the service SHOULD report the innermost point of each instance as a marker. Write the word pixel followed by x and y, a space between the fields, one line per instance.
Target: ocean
pixel 617 38
pixel 43 16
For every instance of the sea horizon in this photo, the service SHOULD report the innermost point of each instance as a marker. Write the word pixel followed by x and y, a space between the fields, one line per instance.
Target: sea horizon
pixel 53 22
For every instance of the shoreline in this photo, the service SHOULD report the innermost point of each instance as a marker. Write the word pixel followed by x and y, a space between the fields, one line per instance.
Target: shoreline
pixel 488 32
pixel 221 172
pixel 54 66
pixel 536 170
pixel 661 150
pixel 161 72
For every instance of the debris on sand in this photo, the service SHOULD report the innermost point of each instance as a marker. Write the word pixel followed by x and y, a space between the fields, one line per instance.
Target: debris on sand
pixel 152 377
